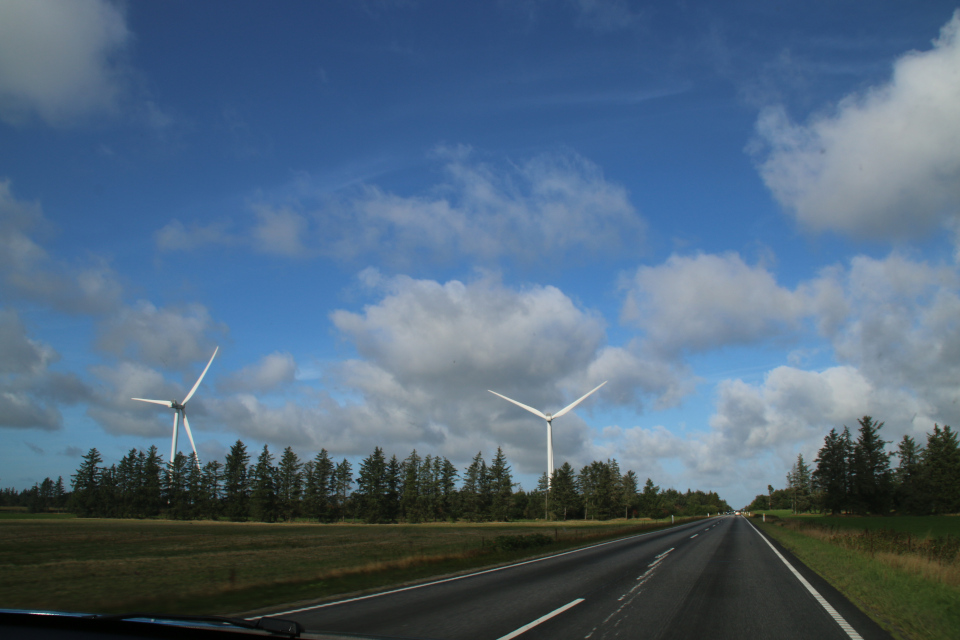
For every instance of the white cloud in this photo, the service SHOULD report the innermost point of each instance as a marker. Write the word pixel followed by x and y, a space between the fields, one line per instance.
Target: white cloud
pixel 177 237
pixel 169 337
pixel 893 326
pixel 552 207
pixel 709 301
pixel 886 162
pixel 59 59
pixel 28 272
pixel 279 231
pixel 272 371
pixel 30 393
pixel 428 352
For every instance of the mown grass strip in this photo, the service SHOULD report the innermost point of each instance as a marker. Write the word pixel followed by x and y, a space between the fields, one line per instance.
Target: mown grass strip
pixel 907 605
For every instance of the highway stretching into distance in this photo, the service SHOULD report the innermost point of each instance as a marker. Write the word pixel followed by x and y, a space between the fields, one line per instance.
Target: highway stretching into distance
pixel 714 578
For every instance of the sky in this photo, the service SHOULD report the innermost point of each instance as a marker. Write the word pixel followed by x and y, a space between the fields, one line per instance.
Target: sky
pixel 743 216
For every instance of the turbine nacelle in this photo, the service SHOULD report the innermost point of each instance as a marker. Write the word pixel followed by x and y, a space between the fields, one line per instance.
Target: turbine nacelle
pixel 180 409
pixel 549 417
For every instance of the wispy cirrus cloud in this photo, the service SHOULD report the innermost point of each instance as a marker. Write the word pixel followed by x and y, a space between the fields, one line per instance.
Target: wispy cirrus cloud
pixel 549 207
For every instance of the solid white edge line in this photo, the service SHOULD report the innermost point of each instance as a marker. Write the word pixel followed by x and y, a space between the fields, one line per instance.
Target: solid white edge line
pixel 541 619
pixel 823 602
pixel 463 577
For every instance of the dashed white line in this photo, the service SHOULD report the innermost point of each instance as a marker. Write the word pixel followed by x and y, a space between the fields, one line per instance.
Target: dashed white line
pixel 850 631
pixel 540 620
pixel 694 535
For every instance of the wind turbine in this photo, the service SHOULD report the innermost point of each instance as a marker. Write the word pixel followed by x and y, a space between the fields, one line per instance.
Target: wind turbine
pixel 179 409
pixel 549 418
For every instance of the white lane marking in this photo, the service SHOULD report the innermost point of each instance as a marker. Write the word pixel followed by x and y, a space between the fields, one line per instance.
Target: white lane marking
pixel 541 619
pixel 463 577
pixel 694 535
pixel 632 593
pixel 823 602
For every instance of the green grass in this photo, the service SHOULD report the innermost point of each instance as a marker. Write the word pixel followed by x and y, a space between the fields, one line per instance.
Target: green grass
pixel 25 515
pixel 217 567
pixel 905 604
pixel 781 513
pixel 921 526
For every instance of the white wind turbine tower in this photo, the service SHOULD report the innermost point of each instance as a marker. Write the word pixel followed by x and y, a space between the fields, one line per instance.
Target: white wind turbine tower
pixel 179 409
pixel 549 418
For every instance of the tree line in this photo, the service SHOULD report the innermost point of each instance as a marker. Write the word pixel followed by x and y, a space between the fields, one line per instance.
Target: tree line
pixel 416 489
pixel 855 476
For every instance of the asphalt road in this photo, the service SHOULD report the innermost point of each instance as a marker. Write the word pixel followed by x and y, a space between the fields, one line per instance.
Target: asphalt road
pixel 716 578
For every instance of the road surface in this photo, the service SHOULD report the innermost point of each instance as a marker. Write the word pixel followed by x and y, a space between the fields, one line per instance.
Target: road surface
pixel 714 578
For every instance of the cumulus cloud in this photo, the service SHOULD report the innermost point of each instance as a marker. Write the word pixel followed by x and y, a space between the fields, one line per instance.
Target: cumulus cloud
pixel 427 353
pixel 905 333
pixel 60 60
pixel 28 272
pixel 116 412
pixel 551 206
pixel 706 301
pixel 272 371
pixel 31 394
pixel 169 337
pixel 885 163
pixel 895 336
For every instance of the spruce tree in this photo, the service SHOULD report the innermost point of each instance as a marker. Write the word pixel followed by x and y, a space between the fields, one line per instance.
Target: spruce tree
pixel 940 472
pixel 86 486
pixel 473 481
pixel 501 487
pixel 236 483
pixel 564 501
pixel 872 485
pixel 289 485
pixel 319 486
pixel 410 494
pixel 393 481
pixel 342 481
pixel 212 490
pixel 832 474
pixel 907 478
pixel 263 488
pixel 372 487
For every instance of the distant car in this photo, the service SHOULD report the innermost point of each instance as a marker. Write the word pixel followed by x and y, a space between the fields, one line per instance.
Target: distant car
pixel 736 513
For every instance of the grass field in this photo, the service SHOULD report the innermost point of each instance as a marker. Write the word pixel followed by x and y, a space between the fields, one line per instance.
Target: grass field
pixel 25 515
pixel 920 526
pixel 910 597
pixel 217 567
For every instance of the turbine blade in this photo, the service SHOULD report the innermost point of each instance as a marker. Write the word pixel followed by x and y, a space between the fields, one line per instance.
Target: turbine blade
pixel 165 403
pixel 186 425
pixel 520 404
pixel 571 406
pixel 190 395
pixel 173 445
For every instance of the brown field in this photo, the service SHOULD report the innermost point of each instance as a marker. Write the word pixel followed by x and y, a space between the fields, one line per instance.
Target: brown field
pixel 218 567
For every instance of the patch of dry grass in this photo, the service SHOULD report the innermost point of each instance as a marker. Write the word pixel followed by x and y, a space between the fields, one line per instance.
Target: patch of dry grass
pixel 205 567
pixel 929 557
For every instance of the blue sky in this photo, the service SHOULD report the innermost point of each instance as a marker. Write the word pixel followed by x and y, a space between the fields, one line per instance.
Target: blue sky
pixel 742 215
